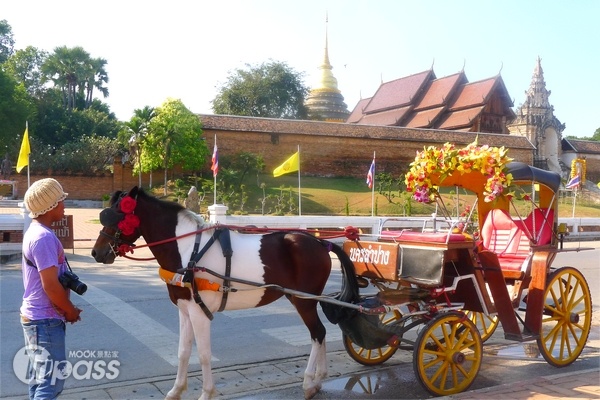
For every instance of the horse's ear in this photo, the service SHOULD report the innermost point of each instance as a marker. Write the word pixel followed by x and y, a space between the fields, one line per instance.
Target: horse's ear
pixel 133 192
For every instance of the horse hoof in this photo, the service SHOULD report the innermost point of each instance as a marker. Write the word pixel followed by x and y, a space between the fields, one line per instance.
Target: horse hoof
pixel 310 393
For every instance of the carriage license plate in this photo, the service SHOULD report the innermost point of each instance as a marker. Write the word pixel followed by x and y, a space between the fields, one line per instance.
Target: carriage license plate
pixel 374 259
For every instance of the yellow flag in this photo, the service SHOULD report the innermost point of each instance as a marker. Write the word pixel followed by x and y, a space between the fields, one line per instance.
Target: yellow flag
pixel 290 165
pixel 23 160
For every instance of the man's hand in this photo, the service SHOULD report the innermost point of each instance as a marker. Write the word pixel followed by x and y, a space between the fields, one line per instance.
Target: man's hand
pixel 73 315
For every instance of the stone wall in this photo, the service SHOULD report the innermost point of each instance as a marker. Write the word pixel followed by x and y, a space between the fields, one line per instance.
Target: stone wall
pixel 326 149
pixel 82 187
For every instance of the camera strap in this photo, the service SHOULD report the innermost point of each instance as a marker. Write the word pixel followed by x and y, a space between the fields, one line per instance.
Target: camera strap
pixel 29 262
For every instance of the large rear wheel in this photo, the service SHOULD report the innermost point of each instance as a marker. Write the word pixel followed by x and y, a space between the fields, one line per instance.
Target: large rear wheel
pixel 448 353
pixel 567 317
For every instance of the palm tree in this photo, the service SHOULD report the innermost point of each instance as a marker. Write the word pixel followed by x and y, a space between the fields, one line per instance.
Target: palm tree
pixel 74 72
pixel 97 76
pixel 138 128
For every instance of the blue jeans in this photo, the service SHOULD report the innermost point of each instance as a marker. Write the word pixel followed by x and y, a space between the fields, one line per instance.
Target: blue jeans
pixel 45 342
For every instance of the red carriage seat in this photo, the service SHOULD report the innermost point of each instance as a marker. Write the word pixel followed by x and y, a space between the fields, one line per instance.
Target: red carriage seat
pixel 501 235
pixel 541 233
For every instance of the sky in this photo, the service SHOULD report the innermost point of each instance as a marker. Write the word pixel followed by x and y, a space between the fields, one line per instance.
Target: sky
pixel 187 49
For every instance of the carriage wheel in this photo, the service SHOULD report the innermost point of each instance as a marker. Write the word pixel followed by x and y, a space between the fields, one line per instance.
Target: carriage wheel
pixel 567 317
pixel 448 354
pixel 485 324
pixel 372 356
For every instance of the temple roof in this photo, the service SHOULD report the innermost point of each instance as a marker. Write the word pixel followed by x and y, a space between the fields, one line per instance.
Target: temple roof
pixel 424 101
pixel 580 146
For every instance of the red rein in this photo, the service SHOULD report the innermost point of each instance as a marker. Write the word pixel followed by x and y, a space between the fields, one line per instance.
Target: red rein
pixel 350 233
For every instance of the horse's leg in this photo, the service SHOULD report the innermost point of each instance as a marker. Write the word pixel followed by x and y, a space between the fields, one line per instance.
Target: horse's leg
pixel 316 369
pixel 184 352
pixel 201 327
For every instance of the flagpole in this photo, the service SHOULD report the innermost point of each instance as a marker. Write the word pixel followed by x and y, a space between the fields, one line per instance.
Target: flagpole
pixel 28 177
pixel 299 190
pixel 574 200
pixel 373 188
pixel 215 178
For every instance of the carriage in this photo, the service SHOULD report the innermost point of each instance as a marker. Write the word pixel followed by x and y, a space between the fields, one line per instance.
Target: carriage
pixel 452 282
pixel 457 278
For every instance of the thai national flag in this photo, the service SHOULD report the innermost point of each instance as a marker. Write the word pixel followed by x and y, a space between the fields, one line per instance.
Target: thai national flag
pixel 371 175
pixel 215 161
pixel 574 182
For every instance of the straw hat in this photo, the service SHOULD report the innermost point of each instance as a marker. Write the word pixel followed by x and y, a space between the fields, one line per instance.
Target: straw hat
pixel 43 196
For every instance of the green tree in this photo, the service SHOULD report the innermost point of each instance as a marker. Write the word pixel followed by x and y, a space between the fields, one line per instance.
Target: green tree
pixel 270 90
pixel 134 134
pixel 7 42
pixel 76 75
pixel 16 107
pixel 25 66
pixel 96 77
pixel 175 138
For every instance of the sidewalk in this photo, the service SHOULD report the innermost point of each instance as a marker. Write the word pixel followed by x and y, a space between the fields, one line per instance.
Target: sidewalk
pixel 568 385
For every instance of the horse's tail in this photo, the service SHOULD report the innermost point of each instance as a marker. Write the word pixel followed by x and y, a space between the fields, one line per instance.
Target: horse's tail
pixel 349 292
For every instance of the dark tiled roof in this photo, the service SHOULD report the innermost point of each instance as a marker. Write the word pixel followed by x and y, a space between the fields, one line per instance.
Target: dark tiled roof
pixel 473 94
pixel 461 119
pixel 358 111
pixel 389 117
pixel 315 128
pixel 399 92
pixel 416 93
pixel 424 119
pixel 581 146
pixel 439 91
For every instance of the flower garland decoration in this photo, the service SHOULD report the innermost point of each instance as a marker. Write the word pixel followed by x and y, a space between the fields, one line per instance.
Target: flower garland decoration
pixel 447 160
pixel 131 221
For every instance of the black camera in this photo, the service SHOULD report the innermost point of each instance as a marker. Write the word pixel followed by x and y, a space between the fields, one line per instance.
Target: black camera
pixel 71 281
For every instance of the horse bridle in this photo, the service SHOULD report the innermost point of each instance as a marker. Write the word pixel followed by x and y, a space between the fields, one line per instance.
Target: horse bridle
pixel 110 218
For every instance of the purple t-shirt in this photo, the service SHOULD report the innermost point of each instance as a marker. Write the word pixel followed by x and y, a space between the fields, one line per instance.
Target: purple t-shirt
pixel 44 250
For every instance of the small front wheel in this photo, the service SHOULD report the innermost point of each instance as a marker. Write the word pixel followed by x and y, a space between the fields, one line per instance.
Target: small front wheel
pixel 372 356
pixel 448 354
pixel 567 317
pixel 486 324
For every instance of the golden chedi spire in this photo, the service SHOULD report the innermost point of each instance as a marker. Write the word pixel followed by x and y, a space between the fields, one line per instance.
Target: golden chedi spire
pixel 325 101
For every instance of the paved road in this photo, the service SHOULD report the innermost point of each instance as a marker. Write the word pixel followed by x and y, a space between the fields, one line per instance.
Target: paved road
pixel 128 318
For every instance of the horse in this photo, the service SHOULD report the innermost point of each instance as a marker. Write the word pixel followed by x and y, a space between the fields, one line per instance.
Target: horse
pixel 251 269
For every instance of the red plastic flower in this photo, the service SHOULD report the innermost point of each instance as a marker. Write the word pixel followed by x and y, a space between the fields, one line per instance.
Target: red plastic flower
pixel 129 223
pixel 127 204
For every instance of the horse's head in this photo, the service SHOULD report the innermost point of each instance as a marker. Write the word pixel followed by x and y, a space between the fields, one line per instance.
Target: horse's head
pixel 120 227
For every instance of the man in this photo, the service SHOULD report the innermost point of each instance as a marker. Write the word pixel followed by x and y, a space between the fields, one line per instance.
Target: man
pixel 46 304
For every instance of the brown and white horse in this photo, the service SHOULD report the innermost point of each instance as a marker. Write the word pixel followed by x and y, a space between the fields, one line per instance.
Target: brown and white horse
pixel 239 271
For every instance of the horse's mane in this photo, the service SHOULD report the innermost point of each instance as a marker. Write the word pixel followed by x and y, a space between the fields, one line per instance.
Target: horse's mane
pixel 172 206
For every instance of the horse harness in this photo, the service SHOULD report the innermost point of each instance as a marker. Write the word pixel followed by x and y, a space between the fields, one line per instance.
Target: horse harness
pixel 222 235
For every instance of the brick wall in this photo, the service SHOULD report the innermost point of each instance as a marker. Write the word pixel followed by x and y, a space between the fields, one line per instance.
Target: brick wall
pixel 326 149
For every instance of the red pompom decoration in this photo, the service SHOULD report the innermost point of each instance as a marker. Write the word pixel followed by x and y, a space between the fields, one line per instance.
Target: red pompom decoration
pixel 129 223
pixel 128 204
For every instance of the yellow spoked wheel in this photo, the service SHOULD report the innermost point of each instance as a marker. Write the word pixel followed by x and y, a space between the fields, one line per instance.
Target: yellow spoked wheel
pixel 448 354
pixel 485 324
pixel 372 356
pixel 567 317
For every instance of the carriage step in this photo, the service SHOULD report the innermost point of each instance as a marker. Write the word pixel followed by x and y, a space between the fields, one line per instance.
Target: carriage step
pixel 522 337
